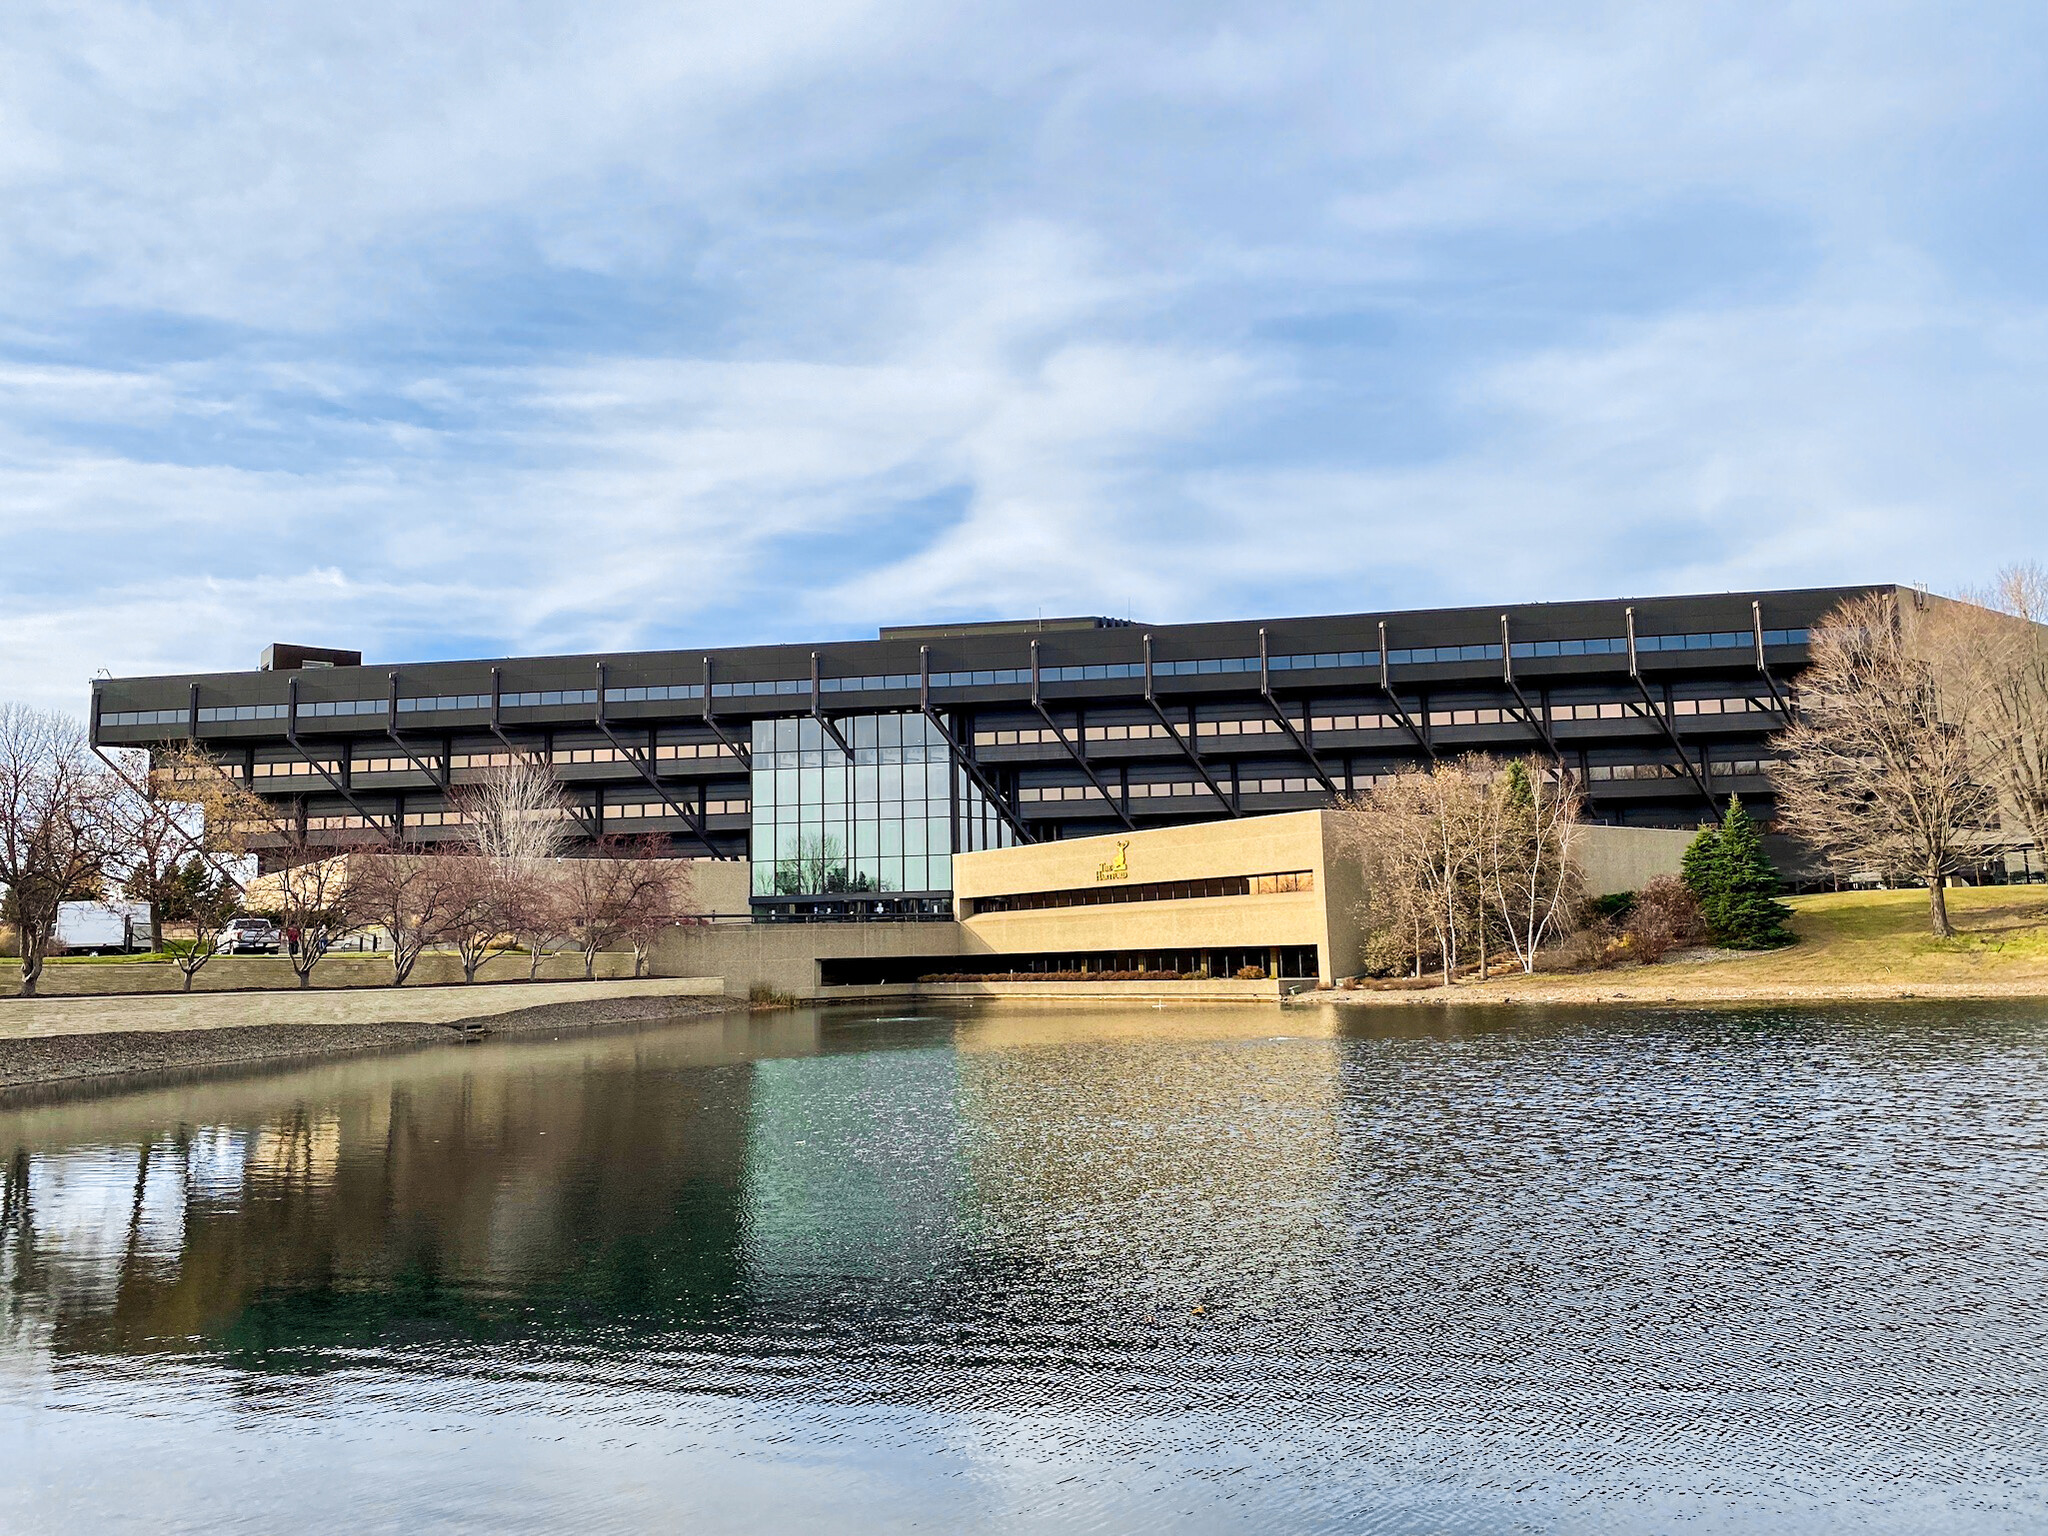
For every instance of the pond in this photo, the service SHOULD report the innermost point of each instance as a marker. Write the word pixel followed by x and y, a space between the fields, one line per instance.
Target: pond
pixel 1052 1268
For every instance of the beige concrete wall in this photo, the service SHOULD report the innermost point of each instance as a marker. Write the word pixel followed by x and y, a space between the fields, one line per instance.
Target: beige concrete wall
pixel 1628 858
pixel 1341 882
pixel 1212 922
pixel 784 956
pixel 1262 845
pixel 721 887
pixel 1251 845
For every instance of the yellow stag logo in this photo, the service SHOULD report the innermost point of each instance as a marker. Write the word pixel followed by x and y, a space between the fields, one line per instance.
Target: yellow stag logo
pixel 1116 868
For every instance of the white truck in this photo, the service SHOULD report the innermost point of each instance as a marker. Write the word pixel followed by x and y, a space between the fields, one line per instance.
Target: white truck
pixel 103 927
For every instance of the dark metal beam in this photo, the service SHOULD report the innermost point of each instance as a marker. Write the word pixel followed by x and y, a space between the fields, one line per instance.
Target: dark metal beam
pixel 818 711
pixel 395 832
pixel 438 774
pixel 1655 711
pixel 960 753
pixel 690 817
pixel 744 754
pixel 1187 750
pixel 1531 716
pixel 1400 709
pixel 1287 725
pixel 1115 802
pixel 1756 619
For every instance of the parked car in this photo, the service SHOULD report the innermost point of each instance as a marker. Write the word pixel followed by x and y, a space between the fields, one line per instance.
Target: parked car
pixel 250 936
pixel 103 928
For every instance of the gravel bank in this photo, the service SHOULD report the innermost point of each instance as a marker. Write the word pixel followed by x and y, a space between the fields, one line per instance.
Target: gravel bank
pixel 43 1060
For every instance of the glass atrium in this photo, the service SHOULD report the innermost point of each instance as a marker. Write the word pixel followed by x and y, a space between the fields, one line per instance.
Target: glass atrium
pixel 887 821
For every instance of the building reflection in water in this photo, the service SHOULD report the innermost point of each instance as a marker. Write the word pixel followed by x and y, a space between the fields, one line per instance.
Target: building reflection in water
pixel 878 1176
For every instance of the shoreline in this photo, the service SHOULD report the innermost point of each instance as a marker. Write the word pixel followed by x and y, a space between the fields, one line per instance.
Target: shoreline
pixel 61 1061
pixel 1632 988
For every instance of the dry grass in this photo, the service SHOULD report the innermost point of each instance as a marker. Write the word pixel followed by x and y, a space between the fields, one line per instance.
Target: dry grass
pixel 1853 944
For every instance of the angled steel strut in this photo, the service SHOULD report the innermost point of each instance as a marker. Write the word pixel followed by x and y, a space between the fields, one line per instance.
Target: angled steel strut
pixel 1115 803
pixel 1187 750
pixel 434 772
pixel 960 753
pixel 1400 709
pixel 1651 708
pixel 395 831
pixel 1287 725
pixel 632 755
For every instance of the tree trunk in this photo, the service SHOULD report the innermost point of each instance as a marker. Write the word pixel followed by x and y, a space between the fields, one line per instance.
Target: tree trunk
pixel 305 978
pixel 1937 907
pixel 156 927
pixel 188 979
pixel 31 973
pixel 590 965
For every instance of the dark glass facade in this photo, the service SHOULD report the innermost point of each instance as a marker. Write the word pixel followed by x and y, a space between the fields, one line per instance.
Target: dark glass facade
pixel 861 767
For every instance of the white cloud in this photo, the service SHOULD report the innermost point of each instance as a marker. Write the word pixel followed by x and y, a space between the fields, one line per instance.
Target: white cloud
pixel 559 328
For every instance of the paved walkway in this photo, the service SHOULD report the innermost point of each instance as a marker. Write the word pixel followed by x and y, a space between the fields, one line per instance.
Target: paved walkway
pixel 33 1018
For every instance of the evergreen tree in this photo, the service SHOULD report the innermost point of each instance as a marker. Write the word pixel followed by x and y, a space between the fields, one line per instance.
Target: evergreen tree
pixel 1750 916
pixel 1701 870
pixel 1521 794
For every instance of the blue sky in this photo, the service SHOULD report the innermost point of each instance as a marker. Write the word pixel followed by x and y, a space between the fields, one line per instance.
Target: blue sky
pixel 444 331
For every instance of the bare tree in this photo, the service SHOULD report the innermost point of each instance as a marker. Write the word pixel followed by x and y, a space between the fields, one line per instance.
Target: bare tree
pixel 479 899
pixel 1992 648
pixel 312 890
pixel 1528 867
pixel 538 913
pixel 169 809
pixel 1418 835
pixel 663 899
pixel 515 815
pixel 414 895
pixel 516 823
pixel 625 887
pixel 58 827
pixel 208 909
pixel 1879 770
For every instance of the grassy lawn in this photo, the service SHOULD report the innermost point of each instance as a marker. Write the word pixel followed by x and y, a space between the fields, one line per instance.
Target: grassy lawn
pixel 1854 937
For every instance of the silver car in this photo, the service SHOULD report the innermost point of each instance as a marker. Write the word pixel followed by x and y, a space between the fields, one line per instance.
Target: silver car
pixel 250 936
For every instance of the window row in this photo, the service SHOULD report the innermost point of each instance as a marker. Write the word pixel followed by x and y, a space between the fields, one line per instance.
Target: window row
pixel 537 700
pixel 673 752
pixel 865 757
pixel 1720 640
pixel 296 769
pixel 1117 895
pixel 639 695
pixel 1602 772
pixel 786 685
pixel 1042 794
pixel 657 809
pixel 1737 706
pixel 1279 786
pixel 446 701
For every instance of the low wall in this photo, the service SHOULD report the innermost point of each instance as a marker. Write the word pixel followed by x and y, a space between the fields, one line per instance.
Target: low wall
pixel 273 973
pixel 1619 859
pixel 783 957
